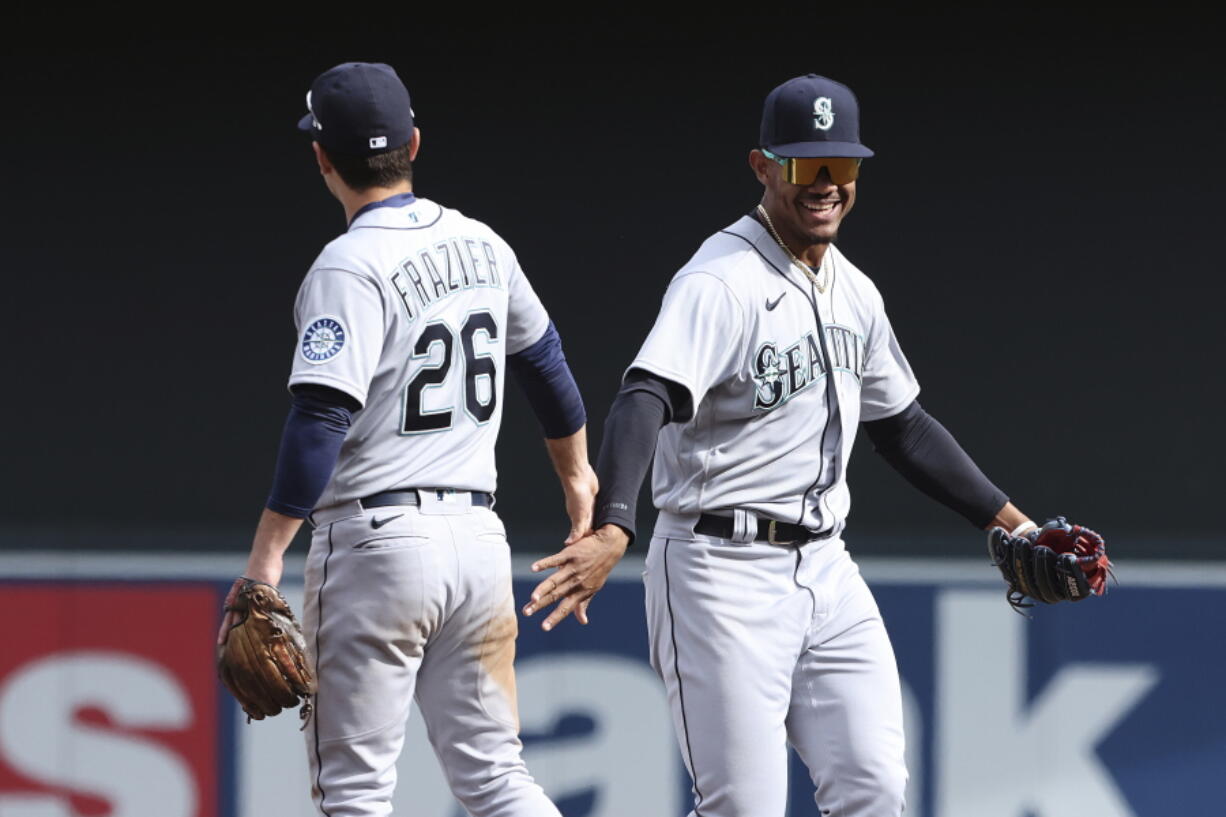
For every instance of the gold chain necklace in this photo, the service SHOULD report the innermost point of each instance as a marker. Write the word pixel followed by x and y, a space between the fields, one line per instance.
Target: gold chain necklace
pixel 805 268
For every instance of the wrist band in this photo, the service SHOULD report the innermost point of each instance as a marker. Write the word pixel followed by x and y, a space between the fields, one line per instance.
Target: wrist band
pixel 1023 528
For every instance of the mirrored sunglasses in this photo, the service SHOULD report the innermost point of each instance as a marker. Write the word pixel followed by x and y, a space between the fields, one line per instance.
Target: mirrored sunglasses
pixel 804 171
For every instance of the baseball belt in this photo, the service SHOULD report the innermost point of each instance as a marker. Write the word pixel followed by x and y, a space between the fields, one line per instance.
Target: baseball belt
pixel 776 533
pixel 385 499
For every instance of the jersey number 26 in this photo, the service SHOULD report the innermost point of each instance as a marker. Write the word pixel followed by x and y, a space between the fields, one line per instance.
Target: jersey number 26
pixel 417 420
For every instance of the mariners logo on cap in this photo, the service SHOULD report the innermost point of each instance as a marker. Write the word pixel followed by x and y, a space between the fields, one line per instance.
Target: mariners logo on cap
pixel 323 340
pixel 823 113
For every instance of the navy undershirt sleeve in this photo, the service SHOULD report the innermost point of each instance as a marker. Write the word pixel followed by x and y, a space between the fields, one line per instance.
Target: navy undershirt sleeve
pixel 319 418
pixel 928 456
pixel 547 382
pixel 644 404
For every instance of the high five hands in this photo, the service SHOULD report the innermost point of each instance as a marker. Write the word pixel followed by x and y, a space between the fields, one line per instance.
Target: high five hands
pixel 582 567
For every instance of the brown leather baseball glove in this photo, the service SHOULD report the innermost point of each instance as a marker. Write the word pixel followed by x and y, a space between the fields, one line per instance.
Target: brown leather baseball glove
pixel 263 659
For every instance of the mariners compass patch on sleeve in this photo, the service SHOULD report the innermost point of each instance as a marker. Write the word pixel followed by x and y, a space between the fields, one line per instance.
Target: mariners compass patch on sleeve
pixel 323 340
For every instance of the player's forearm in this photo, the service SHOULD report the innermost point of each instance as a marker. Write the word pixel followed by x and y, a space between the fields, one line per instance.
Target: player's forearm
pixel 315 429
pixel 1011 519
pixel 273 535
pixel 569 455
pixel 929 457
pixel 630 435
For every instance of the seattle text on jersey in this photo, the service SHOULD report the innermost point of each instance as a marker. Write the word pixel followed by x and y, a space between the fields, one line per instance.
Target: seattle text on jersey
pixel 781 376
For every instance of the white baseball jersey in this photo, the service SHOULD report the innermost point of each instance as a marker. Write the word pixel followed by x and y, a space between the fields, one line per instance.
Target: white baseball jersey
pixel 780 375
pixel 772 429
pixel 412 312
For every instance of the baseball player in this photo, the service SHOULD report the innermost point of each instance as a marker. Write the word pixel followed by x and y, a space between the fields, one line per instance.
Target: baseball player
pixel 770 349
pixel 407 324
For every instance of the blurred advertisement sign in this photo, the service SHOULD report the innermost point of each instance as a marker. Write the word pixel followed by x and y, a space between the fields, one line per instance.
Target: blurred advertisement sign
pixel 109 705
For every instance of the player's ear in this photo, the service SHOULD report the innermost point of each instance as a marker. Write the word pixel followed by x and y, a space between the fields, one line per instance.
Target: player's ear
pixel 760 165
pixel 414 144
pixel 321 158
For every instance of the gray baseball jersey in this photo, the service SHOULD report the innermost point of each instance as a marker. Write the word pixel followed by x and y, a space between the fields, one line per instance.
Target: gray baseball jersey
pixel 772 429
pixel 412 312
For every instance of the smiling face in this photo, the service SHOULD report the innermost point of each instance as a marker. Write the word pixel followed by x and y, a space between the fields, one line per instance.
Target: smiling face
pixel 807 217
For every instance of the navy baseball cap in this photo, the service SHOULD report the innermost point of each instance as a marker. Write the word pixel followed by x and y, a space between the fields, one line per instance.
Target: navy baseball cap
pixel 359 108
pixel 812 116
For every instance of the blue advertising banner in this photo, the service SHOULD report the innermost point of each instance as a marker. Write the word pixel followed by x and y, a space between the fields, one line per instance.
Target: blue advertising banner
pixel 1108 708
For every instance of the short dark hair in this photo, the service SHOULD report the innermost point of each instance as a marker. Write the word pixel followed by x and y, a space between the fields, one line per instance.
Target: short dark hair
pixel 385 169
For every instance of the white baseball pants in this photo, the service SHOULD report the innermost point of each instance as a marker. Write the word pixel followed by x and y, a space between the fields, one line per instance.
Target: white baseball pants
pixel 761 646
pixel 419 606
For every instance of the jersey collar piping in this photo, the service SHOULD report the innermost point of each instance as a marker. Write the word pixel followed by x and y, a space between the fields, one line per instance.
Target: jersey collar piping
pixel 398 200
pixel 765 239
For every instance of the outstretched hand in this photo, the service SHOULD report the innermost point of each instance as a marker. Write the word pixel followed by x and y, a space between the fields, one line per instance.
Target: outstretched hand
pixel 583 566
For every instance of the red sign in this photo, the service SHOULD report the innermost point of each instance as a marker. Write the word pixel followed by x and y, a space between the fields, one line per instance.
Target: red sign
pixel 108 699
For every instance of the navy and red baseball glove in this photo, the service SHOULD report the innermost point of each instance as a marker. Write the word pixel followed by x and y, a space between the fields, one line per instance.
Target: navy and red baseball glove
pixel 1052 563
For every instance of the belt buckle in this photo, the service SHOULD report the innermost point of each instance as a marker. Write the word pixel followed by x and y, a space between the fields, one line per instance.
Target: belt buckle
pixel 770 536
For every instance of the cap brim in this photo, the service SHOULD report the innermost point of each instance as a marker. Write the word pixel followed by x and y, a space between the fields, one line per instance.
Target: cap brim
pixel 812 150
pixel 307 123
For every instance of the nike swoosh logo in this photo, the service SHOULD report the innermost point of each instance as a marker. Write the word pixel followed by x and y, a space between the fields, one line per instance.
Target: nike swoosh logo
pixel 770 305
pixel 378 523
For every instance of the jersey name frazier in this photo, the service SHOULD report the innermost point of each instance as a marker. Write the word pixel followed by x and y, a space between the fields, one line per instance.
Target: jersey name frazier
pixel 449 266
pixel 780 376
